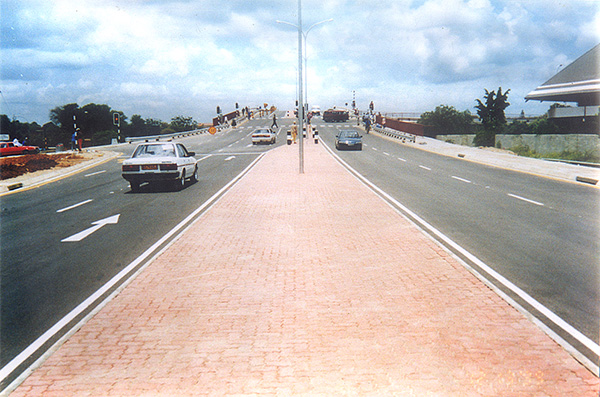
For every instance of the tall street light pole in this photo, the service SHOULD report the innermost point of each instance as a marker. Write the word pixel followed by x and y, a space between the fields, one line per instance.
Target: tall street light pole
pixel 300 78
pixel 306 57
pixel 300 99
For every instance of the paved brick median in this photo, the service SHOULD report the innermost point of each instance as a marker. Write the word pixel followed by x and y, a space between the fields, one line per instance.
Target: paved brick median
pixel 307 284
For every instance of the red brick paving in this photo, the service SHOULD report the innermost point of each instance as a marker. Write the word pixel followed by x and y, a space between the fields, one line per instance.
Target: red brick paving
pixel 307 285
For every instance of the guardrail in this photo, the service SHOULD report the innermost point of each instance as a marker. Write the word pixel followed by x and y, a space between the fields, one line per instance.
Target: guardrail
pixel 574 162
pixel 182 134
pixel 403 136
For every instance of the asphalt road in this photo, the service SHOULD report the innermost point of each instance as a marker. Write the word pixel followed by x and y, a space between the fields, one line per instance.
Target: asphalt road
pixel 543 235
pixel 44 278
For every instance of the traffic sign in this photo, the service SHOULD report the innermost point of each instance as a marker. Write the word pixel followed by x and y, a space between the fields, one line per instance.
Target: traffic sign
pixel 212 130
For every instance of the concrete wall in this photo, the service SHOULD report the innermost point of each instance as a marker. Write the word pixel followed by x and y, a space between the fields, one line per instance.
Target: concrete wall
pixel 543 144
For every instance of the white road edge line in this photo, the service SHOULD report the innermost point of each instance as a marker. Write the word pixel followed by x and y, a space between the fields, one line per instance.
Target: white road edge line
pixel 587 342
pixel 458 178
pixel 74 206
pixel 40 341
pixel 526 199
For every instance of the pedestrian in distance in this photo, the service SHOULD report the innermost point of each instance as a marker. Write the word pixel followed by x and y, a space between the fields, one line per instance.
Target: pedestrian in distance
pixel 79 140
pixel 294 132
pixel 274 125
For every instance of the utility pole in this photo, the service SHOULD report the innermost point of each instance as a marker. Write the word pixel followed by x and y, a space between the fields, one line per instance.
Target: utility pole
pixel 300 91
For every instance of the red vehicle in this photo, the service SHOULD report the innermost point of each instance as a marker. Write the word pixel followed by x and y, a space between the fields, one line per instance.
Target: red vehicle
pixel 332 115
pixel 9 149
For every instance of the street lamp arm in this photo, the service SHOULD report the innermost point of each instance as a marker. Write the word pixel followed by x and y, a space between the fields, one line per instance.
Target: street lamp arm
pixel 315 24
pixel 287 23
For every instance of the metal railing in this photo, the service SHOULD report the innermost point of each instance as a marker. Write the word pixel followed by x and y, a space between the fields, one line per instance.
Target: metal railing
pixel 403 136
pixel 167 137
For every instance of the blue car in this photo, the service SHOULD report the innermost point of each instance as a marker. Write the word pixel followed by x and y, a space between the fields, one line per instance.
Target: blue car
pixel 348 139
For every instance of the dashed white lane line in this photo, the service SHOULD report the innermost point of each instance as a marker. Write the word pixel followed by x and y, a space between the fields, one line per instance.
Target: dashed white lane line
pixel 458 178
pixel 425 168
pixel 401 159
pixel 74 206
pixel 526 199
pixel 95 173
pixel 386 153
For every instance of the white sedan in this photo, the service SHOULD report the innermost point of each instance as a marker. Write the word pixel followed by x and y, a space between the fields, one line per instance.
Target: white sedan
pixel 160 161
pixel 263 135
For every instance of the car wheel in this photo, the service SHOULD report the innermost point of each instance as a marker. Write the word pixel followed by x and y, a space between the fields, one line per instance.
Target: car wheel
pixel 135 186
pixel 180 183
pixel 194 178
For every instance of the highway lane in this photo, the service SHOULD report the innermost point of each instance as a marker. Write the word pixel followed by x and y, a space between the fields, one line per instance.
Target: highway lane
pixel 44 278
pixel 541 234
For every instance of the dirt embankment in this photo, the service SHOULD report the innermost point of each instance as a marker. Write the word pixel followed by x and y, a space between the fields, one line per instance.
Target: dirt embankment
pixel 12 167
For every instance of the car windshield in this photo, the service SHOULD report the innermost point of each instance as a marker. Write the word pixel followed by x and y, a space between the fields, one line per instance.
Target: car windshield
pixel 262 131
pixel 154 151
pixel 349 134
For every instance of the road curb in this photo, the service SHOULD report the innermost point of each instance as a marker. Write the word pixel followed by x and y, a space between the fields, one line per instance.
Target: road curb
pixel 29 181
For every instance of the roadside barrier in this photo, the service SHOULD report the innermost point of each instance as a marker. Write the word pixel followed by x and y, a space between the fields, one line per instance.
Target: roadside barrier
pixel 403 136
pixel 289 137
pixel 167 137
pixel 316 135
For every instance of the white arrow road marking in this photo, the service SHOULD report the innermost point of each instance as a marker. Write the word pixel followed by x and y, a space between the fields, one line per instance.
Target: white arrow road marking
pixel 97 225
pixel 229 158
pixel 74 206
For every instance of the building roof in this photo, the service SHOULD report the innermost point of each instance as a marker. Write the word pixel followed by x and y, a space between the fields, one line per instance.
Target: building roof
pixel 578 82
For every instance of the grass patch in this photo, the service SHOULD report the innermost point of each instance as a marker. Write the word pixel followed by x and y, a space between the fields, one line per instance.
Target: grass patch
pixel 571 155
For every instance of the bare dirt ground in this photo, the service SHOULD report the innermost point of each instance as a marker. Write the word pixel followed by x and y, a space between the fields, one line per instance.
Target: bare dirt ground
pixel 12 167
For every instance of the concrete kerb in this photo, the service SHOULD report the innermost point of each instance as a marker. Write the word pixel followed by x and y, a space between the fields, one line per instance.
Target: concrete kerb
pixel 38 178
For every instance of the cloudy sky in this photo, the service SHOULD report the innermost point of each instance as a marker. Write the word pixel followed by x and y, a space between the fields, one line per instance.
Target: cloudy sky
pixel 164 58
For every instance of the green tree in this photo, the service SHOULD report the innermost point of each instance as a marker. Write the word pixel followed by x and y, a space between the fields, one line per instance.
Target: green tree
pixel 181 123
pixel 447 120
pixel 492 116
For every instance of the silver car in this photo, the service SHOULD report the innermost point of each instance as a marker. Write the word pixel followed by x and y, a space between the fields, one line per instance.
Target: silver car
pixel 159 162
pixel 263 135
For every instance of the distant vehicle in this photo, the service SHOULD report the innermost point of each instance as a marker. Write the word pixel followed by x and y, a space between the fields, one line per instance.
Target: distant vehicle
pixel 332 115
pixel 315 110
pixel 9 149
pixel 348 139
pixel 160 162
pixel 263 135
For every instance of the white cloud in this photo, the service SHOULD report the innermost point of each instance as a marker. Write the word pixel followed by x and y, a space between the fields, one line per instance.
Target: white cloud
pixel 173 57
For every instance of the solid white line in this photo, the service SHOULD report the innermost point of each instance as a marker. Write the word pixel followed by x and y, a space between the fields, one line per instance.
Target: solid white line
pixel 587 342
pixel 525 199
pixel 39 342
pixel 458 178
pixel 425 168
pixel 95 173
pixel 74 206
